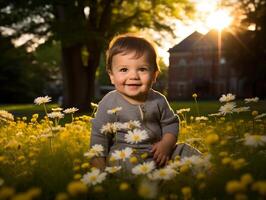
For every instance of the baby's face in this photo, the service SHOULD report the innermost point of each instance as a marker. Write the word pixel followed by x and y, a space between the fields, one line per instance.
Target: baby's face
pixel 132 77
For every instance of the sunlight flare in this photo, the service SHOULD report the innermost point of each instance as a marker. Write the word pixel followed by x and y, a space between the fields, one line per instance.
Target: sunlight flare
pixel 219 19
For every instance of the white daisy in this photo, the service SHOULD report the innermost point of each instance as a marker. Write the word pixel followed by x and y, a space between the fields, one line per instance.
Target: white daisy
pixel 114 110
pixel 70 110
pixel 183 110
pixel 241 109
pixel 42 100
pixel 148 189
pixel 173 164
pixel 144 168
pixel 166 173
pixel 93 177
pixel 94 105
pixel 249 100
pixel 95 150
pixel 136 136
pixel 260 116
pixel 197 163
pixel 227 108
pixel 202 118
pixel 215 114
pixel 112 170
pixel 122 154
pixel 58 109
pixel 254 140
pixel 4 115
pixel 55 115
pixel 1 182
pixel 228 97
pixel 132 124
pixel 110 128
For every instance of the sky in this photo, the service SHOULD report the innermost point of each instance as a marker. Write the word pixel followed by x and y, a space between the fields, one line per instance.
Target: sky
pixel 208 15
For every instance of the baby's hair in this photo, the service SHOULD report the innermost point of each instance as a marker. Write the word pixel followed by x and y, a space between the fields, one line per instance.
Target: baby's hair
pixel 127 43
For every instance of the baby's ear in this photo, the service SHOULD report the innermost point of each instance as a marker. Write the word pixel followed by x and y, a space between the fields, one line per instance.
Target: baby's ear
pixel 111 76
pixel 156 74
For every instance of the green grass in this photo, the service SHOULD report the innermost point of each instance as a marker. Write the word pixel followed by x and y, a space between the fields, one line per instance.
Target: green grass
pixel 208 107
pixel 205 107
pixel 27 110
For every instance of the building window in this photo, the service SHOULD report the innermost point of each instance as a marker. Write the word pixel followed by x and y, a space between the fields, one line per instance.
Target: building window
pixel 182 62
pixel 181 89
pixel 222 61
pixel 200 61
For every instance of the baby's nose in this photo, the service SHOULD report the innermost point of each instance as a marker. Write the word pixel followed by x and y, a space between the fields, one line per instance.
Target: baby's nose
pixel 133 74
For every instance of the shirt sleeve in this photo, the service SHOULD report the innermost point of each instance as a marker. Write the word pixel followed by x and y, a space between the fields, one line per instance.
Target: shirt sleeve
pixel 101 119
pixel 169 120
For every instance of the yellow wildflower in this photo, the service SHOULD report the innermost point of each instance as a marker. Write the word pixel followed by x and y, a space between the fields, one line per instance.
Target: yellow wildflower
pixel 254 113
pixel 246 179
pixel 77 176
pixel 223 153
pixel 133 160
pixel 240 196
pixel 21 196
pixel 226 160
pixel 201 176
pixel 234 186
pixel 76 188
pixel 77 162
pixel 260 187
pixel 6 192
pixel 61 196
pixel 187 193
pixel 2 159
pixel 76 168
pixel 144 155
pixel 21 158
pixel 212 139
pixel 123 186
pixel 239 163
pixel 184 168
pixel 34 192
pixel 202 186
pixel 85 165
pixel 98 188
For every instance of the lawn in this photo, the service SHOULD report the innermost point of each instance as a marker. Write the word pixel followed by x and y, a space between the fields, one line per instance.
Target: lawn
pixel 205 107
pixel 40 160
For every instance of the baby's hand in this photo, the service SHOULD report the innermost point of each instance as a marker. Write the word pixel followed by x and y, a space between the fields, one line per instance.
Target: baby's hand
pixel 161 153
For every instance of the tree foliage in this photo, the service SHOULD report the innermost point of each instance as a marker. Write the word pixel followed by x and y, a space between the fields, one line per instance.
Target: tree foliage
pixel 20 78
pixel 77 31
pixel 249 56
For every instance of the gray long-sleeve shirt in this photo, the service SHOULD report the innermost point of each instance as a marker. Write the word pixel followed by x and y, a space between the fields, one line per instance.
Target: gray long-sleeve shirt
pixel 155 116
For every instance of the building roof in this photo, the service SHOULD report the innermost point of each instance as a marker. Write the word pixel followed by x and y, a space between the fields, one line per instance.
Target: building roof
pixel 196 38
pixel 187 44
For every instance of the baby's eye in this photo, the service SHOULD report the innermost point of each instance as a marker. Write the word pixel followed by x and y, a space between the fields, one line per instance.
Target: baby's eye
pixel 123 69
pixel 143 69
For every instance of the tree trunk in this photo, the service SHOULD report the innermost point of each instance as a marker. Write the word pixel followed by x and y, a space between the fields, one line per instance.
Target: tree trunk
pixel 75 79
pixel 78 80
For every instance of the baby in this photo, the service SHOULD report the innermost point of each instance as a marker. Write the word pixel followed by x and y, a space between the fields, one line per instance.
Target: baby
pixel 134 115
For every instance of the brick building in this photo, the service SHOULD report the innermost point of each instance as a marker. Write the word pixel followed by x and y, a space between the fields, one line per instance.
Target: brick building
pixel 198 65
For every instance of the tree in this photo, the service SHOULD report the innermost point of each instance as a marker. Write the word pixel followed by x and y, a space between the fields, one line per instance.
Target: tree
pixel 249 57
pixel 20 79
pixel 86 26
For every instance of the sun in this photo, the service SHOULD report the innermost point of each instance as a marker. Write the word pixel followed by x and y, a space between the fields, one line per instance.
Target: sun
pixel 219 19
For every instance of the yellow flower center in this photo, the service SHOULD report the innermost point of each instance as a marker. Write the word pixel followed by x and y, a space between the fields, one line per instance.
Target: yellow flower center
pixel 136 138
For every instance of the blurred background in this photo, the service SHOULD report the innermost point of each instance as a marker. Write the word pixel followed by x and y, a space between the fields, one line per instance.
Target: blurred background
pixel 57 47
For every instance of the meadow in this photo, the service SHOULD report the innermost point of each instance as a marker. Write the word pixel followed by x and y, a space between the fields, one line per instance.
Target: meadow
pixel 44 154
